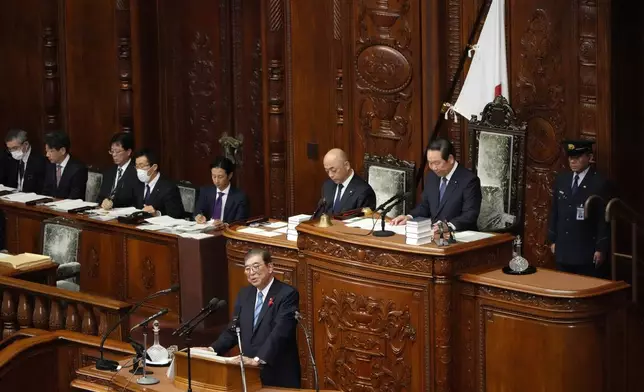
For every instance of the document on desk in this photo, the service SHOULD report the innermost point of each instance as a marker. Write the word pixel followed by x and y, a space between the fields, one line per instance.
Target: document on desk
pixel 6 188
pixel 23 197
pixel 69 204
pixel 250 230
pixel 470 236
pixel 168 221
pixel 273 233
pixel 275 225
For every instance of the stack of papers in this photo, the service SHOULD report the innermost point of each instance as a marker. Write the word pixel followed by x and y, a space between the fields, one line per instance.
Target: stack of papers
pixel 105 215
pixel 23 197
pixel 470 236
pixel 67 204
pixel 293 221
pixel 6 188
pixel 419 231
pixel 257 231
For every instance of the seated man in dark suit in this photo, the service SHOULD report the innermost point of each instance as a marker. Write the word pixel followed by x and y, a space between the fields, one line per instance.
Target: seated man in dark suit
pixel 265 313
pixel 65 177
pixel 158 194
pixel 452 193
pixel 120 182
pixel 26 171
pixel 344 190
pixel 221 202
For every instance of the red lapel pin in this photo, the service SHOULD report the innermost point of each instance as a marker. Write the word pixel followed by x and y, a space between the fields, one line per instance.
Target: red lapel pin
pixel 270 302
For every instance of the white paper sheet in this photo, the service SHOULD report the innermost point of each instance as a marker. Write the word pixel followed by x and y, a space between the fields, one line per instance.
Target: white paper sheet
pixel 470 236
pixel 269 233
pixel 250 230
pixel 196 236
pixel 23 197
pixel 151 227
pixel 281 230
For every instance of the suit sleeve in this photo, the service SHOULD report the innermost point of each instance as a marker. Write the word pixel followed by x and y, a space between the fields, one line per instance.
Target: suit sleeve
pixel 106 188
pixel 228 339
pixel 367 198
pixel 471 208
pixel 39 175
pixel 48 184
pixel 242 211
pixel 422 209
pixel 173 205
pixel 284 330
pixel 78 184
pixel 554 215
pixel 201 208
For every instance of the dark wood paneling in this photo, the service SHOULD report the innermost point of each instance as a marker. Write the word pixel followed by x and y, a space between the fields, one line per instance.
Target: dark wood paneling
pixel 101 257
pixel 29 73
pixel 92 83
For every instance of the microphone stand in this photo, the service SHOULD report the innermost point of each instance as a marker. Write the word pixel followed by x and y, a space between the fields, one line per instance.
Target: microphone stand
pixel 311 357
pixel 241 358
pixel 145 379
pixel 383 215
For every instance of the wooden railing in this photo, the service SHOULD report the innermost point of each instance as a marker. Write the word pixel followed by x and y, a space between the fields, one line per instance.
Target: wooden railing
pixel 33 305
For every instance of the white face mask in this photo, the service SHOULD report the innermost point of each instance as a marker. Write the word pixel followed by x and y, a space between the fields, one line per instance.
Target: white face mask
pixel 143 175
pixel 17 155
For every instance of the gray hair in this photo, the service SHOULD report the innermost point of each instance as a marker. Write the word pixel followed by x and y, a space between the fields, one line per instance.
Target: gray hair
pixel 266 256
pixel 16 134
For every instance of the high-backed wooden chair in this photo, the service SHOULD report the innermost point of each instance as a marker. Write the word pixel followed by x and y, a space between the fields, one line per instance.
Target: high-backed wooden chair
pixel 388 176
pixel 497 148
pixel 189 196
pixel 61 241
pixel 94 181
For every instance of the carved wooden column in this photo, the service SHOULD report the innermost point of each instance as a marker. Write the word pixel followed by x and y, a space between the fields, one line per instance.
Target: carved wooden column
pixel 124 65
pixel 341 137
pixel 88 326
pixel 8 314
pixel 41 313
pixel 25 311
pixel 51 87
pixel 442 324
pixel 278 197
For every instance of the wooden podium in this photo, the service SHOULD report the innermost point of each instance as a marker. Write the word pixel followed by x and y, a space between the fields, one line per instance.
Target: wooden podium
pixel 214 373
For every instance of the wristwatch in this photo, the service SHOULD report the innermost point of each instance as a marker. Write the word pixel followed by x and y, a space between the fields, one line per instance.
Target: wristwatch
pixel 260 361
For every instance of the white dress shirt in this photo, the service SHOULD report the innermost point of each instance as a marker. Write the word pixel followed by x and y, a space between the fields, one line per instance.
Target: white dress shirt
pixel 24 159
pixel 450 174
pixel 152 184
pixel 123 169
pixel 224 198
pixel 345 184
pixel 63 164
pixel 581 177
pixel 265 291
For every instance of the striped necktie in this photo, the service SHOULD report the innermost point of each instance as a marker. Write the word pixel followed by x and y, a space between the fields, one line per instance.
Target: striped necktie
pixel 258 307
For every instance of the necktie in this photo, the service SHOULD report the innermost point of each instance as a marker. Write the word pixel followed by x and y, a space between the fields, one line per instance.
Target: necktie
pixel 336 203
pixel 146 198
pixel 21 169
pixel 59 172
pixel 575 184
pixel 441 188
pixel 258 307
pixel 119 173
pixel 216 209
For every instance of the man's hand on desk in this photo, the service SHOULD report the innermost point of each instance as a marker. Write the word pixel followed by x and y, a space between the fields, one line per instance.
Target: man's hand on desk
pixel 151 210
pixel 200 219
pixel 107 204
pixel 248 361
pixel 400 220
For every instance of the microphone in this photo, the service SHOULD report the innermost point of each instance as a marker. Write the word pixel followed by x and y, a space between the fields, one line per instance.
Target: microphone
pixel 183 326
pixel 108 364
pixel 147 320
pixel 300 319
pixel 237 329
pixel 220 304
pixel 318 210
pixel 383 214
pixel 383 205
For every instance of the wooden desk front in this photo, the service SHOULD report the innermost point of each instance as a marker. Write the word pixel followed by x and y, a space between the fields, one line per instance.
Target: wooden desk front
pixel 122 262
pixel 381 312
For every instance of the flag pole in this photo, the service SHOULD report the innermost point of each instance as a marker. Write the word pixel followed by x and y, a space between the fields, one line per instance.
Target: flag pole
pixel 485 7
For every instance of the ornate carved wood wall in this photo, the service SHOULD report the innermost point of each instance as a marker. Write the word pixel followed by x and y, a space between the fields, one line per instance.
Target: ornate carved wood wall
pixel 292 79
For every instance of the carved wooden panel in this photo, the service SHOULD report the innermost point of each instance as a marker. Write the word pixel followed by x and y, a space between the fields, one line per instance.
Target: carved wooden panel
pixel 102 267
pixel 150 268
pixel 385 82
pixel 370 339
pixel 92 87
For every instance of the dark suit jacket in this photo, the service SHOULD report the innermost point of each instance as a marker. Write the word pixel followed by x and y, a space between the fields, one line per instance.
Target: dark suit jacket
pixel 165 197
pixel 359 194
pixel 236 208
pixel 125 191
pixel 577 240
pixel 461 202
pixel 72 183
pixel 34 173
pixel 274 338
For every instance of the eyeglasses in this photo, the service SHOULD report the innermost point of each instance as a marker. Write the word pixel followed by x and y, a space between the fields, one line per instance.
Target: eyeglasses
pixel 146 167
pixel 112 152
pixel 254 268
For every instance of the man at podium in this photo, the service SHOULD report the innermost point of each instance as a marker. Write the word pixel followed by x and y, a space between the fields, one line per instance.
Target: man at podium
pixel 265 313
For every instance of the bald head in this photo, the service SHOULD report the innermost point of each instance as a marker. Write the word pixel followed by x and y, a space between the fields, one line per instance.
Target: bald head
pixel 337 166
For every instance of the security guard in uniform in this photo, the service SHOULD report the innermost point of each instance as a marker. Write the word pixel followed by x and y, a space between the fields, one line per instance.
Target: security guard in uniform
pixel 580 245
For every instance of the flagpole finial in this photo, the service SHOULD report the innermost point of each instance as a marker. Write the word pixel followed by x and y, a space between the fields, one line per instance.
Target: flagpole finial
pixel 445 107
pixel 448 109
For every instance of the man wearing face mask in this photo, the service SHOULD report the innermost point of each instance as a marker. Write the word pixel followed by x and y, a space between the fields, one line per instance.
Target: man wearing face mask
pixel 120 181
pixel 65 177
pixel 221 203
pixel 26 171
pixel 159 195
